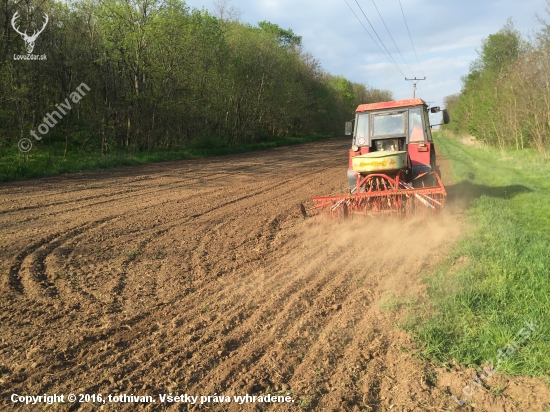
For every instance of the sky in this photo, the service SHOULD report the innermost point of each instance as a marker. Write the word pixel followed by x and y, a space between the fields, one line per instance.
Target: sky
pixel 445 35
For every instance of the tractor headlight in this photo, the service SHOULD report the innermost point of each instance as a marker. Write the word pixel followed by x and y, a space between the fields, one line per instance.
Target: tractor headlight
pixel 355 148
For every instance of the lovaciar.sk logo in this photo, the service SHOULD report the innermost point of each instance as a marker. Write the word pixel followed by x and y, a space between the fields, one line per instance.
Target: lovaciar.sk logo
pixel 29 40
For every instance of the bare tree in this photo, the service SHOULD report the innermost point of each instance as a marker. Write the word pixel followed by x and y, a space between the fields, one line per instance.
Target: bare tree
pixel 226 11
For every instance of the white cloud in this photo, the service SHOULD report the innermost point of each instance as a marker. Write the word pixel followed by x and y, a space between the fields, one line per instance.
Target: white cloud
pixel 470 42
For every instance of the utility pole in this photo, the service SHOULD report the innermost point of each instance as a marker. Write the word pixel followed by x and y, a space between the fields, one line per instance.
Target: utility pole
pixel 415 80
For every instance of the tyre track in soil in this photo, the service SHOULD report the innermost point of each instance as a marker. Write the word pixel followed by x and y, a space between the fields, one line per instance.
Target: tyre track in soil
pixel 201 277
pixel 45 243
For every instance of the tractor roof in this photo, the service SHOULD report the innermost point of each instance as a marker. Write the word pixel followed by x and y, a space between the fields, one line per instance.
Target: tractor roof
pixel 390 105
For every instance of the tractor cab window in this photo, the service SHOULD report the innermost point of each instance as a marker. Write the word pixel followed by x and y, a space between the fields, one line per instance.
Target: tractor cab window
pixel 389 124
pixel 362 130
pixel 416 131
pixel 428 128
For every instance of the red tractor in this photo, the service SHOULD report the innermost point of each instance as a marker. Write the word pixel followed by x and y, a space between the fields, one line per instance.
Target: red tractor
pixel 392 163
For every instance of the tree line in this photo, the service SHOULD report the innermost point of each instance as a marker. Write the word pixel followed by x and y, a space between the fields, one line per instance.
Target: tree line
pixel 162 74
pixel 505 98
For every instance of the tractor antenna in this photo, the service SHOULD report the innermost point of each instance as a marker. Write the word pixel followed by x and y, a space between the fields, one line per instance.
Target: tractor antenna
pixel 415 81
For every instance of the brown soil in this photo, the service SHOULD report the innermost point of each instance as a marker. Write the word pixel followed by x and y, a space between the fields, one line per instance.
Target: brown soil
pixel 201 277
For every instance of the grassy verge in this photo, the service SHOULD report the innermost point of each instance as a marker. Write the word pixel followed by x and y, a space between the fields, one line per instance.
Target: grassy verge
pixel 40 162
pixel 498 276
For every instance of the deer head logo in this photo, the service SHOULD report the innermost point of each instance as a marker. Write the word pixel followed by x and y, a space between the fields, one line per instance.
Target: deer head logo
pixel 29 40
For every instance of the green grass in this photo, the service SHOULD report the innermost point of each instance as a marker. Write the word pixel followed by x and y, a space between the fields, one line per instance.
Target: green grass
pixel 42 160
pixel 498 276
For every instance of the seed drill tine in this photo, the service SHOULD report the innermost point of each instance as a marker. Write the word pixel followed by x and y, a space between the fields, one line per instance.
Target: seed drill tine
pixel 407 186
pixel 419 197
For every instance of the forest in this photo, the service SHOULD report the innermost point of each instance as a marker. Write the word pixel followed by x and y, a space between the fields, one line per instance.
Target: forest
pixel 161 75
pixel 505 98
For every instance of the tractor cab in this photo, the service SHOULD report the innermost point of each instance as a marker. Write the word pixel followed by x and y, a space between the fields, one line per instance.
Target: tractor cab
pixel 392 137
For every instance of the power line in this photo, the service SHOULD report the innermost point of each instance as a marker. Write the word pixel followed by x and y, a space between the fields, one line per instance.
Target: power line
pixel 388 53
pixel 410 37
pixel 372 38
pixel 370 35
pixel 391 37
pixel 372 27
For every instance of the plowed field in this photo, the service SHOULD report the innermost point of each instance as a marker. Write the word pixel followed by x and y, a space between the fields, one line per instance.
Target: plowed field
pixel 201 277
